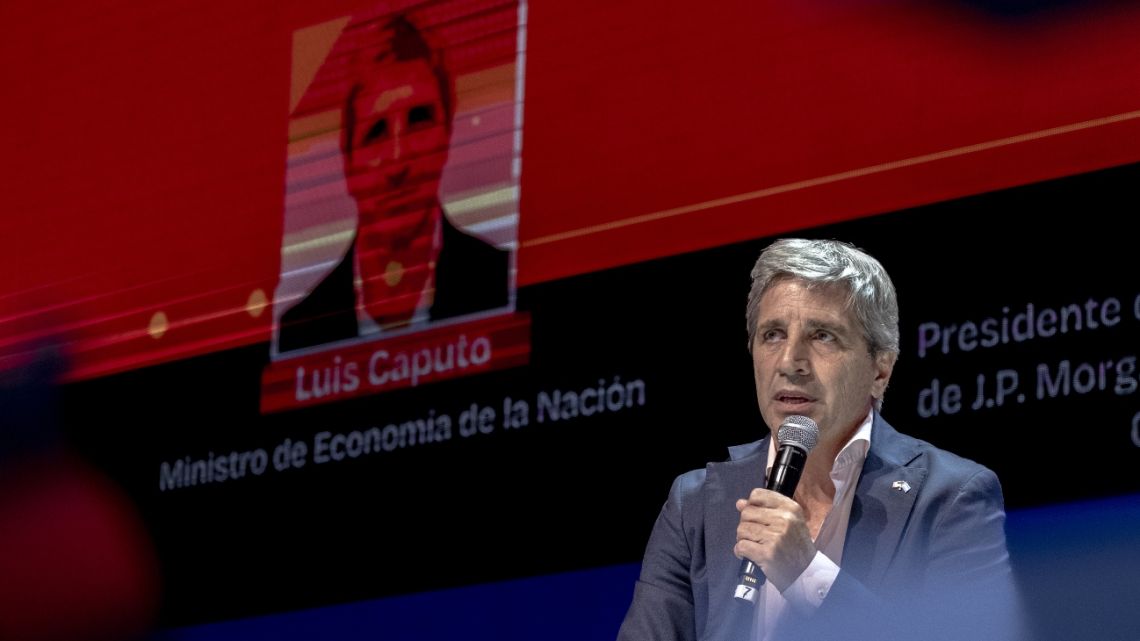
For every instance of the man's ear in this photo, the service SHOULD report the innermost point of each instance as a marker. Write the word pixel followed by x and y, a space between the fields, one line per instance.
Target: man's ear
pixel 884 366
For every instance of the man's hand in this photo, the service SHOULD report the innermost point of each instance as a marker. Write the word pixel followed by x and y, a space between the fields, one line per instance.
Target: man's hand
pixel 774 535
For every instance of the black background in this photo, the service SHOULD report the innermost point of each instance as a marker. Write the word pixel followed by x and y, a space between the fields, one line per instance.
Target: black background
pixel 584 492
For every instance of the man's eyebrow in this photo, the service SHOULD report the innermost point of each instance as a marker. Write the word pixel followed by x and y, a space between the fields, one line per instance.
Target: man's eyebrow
pixel 834 328
pixel 388 96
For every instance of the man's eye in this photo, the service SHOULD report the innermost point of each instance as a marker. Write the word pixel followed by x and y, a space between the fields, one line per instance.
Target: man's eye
pixel 378 130
pixel 826 337
pixel 772 335
pixel 421 115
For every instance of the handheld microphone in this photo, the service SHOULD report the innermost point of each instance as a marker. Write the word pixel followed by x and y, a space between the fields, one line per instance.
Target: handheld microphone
pixel 797 436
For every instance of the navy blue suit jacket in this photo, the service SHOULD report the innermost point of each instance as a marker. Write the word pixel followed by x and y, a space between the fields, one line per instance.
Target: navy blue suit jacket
pixel 923 558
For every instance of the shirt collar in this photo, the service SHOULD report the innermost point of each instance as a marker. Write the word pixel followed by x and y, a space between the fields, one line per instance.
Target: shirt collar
pixel 854 451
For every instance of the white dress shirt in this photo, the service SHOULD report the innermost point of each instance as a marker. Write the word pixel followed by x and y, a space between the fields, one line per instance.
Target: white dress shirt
pixel 810 588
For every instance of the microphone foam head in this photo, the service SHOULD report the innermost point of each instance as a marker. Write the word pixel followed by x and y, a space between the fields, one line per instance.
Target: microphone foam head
pixel 798 431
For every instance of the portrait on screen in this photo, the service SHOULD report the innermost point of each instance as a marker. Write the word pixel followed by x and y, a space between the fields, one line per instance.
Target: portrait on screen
pixel 402 180
pixel 401 195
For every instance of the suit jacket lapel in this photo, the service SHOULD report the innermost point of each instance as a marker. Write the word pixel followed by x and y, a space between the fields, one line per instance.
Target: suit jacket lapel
pixel 882 504
pixel 725 483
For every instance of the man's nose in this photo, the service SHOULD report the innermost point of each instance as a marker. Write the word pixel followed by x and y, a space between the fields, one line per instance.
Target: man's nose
pixel 391 150
pixel 395 171
pixel 794 359
pixel 397 150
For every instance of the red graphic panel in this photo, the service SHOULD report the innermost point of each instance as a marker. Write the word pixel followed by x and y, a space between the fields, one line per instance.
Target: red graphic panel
pixel 683 127
pixel 142 216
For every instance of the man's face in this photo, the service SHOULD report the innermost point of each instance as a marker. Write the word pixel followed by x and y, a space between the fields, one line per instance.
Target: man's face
pixel 398 147
pixel 810 358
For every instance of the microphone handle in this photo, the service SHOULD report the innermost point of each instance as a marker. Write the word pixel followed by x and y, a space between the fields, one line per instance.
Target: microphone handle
pixel 784 478
pixel 786 472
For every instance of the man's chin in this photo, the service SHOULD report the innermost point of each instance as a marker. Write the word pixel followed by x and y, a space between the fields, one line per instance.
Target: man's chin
pixel 407 198
pixel 400 220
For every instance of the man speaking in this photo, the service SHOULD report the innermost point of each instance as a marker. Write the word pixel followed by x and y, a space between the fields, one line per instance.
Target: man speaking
pixel 884 536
